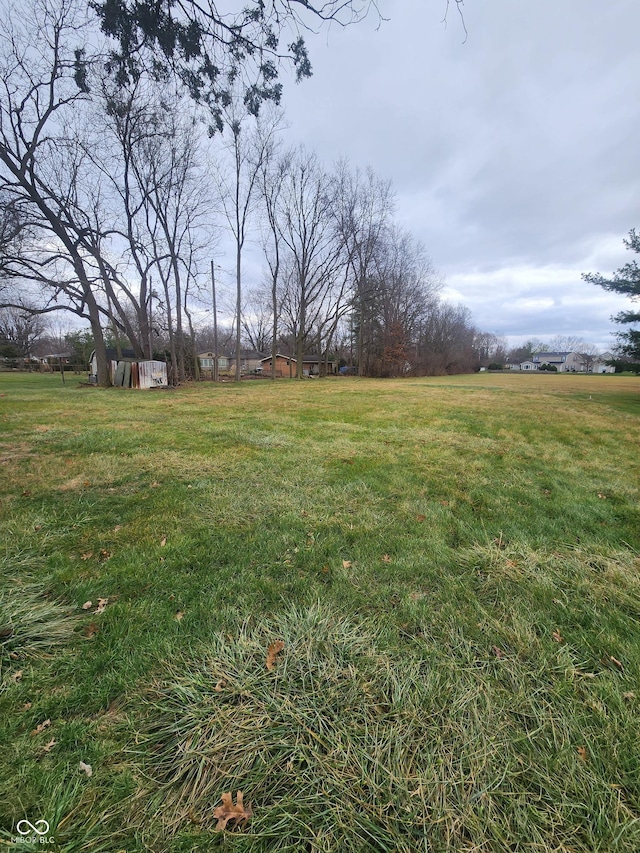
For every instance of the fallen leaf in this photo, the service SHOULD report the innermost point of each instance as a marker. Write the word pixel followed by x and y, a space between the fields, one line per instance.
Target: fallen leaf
pixel 346 564
pixel 557 636
pixel 272 652
pixel 228 812
pixel 616 662
pixel 117 528
pixel 497 652
pixel 17 676
pixel 41 727
pixel 27 706
pixel 582 753
pixel 48 746
pixel 417 596
pixel 220 686
pixel 104 555
pixel 85 768
pixel 87 555
pixel 87 605
pixel 91 630
pixel 163 541
pixel 179 615
pixel 421 518
pixel 602 497
pixel 386 558
pixel 102 603
pixel 629 695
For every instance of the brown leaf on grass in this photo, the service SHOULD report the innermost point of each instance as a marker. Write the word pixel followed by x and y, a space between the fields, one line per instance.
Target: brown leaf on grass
pixel 27 706
pixel 601 496
pixel 228 812
pixel 616 662
pixel 104 555
pixel 497 652
pixel 102 603
pixel 41 727
pixel 87 555
pixel 17 676
pixel 85 768
pixel 48 746
pixel 557 636
pixel 91 630
pixel 346 564
pixel 629 695
pixel 220 686
pixel 163 541
pixel 386 558
pixel 582 753
pixel 179 615
pixel 272 653
pixel 87 605
pixel 421 518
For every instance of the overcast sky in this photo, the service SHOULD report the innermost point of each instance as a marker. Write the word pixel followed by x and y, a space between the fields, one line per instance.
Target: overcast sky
pixel 513 150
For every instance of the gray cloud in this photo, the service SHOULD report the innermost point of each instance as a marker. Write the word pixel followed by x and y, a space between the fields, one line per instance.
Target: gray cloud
pixel 514 153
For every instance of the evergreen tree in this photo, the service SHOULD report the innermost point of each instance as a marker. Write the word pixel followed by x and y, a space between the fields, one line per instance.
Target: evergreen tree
pixel 625 280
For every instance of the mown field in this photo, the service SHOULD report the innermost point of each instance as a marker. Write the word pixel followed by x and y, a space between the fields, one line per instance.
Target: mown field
pixel 395 615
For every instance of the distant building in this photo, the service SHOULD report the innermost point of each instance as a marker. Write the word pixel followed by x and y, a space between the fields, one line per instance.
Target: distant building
pixel 569 362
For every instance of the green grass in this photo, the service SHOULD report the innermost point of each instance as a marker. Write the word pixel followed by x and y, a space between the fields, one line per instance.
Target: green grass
pixel 452 564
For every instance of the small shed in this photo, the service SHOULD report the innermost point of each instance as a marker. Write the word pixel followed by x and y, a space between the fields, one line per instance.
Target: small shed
pixel 127 370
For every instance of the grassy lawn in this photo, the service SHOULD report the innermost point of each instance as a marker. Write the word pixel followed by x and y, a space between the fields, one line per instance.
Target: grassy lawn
pixel 452 568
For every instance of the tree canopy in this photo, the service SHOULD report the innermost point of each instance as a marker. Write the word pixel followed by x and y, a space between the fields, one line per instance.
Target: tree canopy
pixel 625 280
pixel 210 51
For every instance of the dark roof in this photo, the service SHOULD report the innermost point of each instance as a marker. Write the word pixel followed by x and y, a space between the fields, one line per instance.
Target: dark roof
pixel 306 359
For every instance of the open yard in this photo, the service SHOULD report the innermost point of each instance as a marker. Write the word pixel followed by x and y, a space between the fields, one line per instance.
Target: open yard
pixel 395 615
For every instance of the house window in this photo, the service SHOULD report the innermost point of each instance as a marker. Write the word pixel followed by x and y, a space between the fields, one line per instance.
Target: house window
pixel 223 363
pixel 206 363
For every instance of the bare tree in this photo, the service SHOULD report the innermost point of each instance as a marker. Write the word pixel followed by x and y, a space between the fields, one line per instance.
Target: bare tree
pixel 402 291
pixel 316 254
pixel 366 204
pixel 40 161
pixel 21 329
pixel 272 177
pixel 247 152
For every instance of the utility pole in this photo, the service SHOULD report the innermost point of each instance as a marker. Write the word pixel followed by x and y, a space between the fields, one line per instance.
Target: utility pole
pixel 215 325
pixel 150 318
